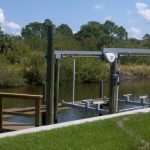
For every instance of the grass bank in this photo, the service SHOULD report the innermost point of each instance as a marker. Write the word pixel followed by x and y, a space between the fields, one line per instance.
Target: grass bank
pixel 123 133
pixel 135 71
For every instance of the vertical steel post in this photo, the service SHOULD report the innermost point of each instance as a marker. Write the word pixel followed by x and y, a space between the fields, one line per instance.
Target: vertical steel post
pixel 56 90
pixel 101 89
pixel 74 79
pixel 114 86
pixel 50 77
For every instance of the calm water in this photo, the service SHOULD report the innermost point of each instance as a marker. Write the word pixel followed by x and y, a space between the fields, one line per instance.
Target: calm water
pixel 83 91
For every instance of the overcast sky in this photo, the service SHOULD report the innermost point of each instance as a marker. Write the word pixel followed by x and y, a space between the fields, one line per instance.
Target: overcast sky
pixel 132 14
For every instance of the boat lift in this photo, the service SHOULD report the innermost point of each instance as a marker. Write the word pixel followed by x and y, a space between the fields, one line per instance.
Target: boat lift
pixel 112 56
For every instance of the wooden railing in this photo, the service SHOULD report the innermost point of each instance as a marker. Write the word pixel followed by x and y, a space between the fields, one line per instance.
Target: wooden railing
pixel 36 98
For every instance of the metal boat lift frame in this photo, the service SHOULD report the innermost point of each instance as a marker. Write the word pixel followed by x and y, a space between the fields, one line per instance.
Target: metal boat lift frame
pixel 114 78
pixel 52 75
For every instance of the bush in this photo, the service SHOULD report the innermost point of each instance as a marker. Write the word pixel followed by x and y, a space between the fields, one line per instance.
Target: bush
pixel 87 70
pixel 92 70
pixel 9 75
pixel 33 69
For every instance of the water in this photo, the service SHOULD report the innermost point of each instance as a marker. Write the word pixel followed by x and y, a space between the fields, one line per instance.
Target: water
pixel 83 91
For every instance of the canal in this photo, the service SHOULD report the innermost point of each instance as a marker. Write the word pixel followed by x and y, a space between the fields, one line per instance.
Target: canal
pixel 83 91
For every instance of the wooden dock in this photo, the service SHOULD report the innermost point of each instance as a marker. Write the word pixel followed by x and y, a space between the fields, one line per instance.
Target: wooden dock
pixel 14 126
pixel 35 111
pixel 28 112
pixel 94 105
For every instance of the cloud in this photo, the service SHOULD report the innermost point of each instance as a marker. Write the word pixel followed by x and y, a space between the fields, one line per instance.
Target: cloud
pixel 2 18
pixel 13 25
pixel 108 18
pixel 135 33
pixel 9 27
pixel 143 10
pixel 99 7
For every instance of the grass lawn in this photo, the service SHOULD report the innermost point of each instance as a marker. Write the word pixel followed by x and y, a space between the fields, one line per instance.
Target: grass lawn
pixel 124 133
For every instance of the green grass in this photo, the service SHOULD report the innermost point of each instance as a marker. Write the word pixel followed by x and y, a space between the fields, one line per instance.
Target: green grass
pixel 123 133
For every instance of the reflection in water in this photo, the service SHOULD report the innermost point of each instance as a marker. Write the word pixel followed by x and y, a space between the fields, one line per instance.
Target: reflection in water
pixel 83 91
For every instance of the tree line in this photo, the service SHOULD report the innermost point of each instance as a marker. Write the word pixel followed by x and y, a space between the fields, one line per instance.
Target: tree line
pixel 24 54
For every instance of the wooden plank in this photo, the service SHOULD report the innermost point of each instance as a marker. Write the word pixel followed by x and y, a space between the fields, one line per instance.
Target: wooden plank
pixel 16 95
pixel 29 111
pixel 14 126
pixel 22 109
pixel 1 113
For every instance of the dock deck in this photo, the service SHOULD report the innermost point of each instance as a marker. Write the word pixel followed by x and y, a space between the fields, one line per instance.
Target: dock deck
pixel 14 126
pixel 27 111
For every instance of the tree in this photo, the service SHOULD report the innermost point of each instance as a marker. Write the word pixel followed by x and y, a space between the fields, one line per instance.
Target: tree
pixel 146 41
pixel 121 33
pixel 90 35
pixel 35 34
pixel 19 50
pixel 36 29
pixel 114 31
pixel 146 37
pixel 110 28
pixel 64 38
pixel 1 40
pixel 64 30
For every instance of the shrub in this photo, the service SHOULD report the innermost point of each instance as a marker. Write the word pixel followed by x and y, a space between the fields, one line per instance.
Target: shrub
pixel 9 75
pixel 33 69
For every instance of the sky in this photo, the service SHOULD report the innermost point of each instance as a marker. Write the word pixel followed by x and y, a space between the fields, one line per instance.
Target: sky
pixel 133 15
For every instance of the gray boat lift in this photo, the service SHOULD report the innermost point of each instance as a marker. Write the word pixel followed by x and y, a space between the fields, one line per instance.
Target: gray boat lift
pixel 52 79
pixel 114 80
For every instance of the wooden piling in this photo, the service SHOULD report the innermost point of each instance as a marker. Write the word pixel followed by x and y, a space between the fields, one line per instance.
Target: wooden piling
pixel 114 87
pixel 50 77
pixel 74 81
pixel 56 90
pixel 1 113
pixel 37 112
pixel 101 89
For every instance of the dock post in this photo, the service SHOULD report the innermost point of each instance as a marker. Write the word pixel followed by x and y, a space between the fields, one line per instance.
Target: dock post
pixel 37 112
pixel 114 86
pixel 74 80
pixel 101 89
pixel 50 77
pixel 43 103
pixel 1 113
pixel 56 90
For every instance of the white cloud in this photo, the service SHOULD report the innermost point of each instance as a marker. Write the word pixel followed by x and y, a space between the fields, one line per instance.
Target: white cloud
pixel 13 25
pixel 143 10
pixel 108 18
pixel 99 7
pixel 9 27
pixel 135 33
pixel 2 18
